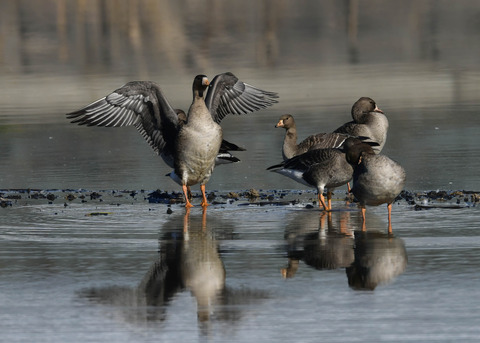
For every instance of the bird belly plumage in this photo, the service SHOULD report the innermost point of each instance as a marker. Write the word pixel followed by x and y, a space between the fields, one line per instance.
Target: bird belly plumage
pixel 380 184
pixel 196 157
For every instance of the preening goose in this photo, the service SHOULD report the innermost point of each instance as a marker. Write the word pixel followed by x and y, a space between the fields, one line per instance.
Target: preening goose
pixel 368 121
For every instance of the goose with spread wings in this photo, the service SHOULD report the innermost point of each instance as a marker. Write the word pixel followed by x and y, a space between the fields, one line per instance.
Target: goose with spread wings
pixel 191 148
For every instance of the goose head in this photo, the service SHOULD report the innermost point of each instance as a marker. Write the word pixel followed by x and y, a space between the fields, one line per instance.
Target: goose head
pixel 200 84
pixel 363 107
pixel 286 121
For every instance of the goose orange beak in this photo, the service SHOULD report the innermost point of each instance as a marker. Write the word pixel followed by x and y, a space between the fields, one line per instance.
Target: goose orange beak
pixel 377 110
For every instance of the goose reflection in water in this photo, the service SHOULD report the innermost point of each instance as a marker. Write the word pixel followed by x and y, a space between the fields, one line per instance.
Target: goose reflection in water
pixel 319 247
pixel 202 270
pixel 379 258
pixel 369 258
pixel 189 260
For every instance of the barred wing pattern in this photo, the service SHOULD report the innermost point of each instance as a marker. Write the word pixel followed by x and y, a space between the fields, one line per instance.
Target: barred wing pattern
pixel 137 103
pixel 142 104
pixel 228 95
pixel 305 161
pixel 322 141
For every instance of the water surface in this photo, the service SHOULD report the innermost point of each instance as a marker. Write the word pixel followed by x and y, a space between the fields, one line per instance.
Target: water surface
pixel 237 273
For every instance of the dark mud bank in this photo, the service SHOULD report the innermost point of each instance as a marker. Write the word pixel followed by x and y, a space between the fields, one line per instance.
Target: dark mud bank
pixel 419 200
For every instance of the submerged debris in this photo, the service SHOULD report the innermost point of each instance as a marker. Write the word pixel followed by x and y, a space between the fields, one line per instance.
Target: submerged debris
pixel 252 194
pixel 159 197
pixel 70 197
pixel 37 196
pixel 98 214
pixel 440 195
pixel 211 196
pixel 95 195
pixel 419 207
pixel 233 195
pixel 13 197
pixel 5 202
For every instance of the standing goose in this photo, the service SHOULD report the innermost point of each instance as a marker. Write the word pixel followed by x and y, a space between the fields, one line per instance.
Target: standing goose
pixel 318 141
pixel 319 168
pixel 190 148
pixel 376 178
pixel 368 121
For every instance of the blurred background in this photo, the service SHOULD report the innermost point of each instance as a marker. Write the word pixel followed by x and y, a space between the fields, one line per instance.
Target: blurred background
pixel 419 59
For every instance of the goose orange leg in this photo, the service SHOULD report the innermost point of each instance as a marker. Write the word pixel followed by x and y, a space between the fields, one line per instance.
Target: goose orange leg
pixel 204 201
pixel 188 204
pixel 321 200
pixel 329 201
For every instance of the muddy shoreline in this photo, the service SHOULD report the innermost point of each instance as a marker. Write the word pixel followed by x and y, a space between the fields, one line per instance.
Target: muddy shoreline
pixel 419 200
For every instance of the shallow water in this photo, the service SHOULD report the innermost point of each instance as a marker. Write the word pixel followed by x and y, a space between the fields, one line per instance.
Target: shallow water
pixel 138 274
pixel 122 269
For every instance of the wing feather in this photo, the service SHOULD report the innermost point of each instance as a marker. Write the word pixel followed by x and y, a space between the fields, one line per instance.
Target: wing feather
pixel 228 95
pixel 140 104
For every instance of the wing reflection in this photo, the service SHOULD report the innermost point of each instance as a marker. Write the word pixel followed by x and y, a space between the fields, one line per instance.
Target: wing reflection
pixel 370 258
pixel 189 260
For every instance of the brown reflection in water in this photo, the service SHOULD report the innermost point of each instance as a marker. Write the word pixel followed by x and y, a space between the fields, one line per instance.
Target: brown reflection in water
pixel 369 258
pixel 189 260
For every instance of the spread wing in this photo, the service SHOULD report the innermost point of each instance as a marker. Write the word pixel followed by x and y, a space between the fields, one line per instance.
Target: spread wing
pixel 228 95
pixel 137 103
